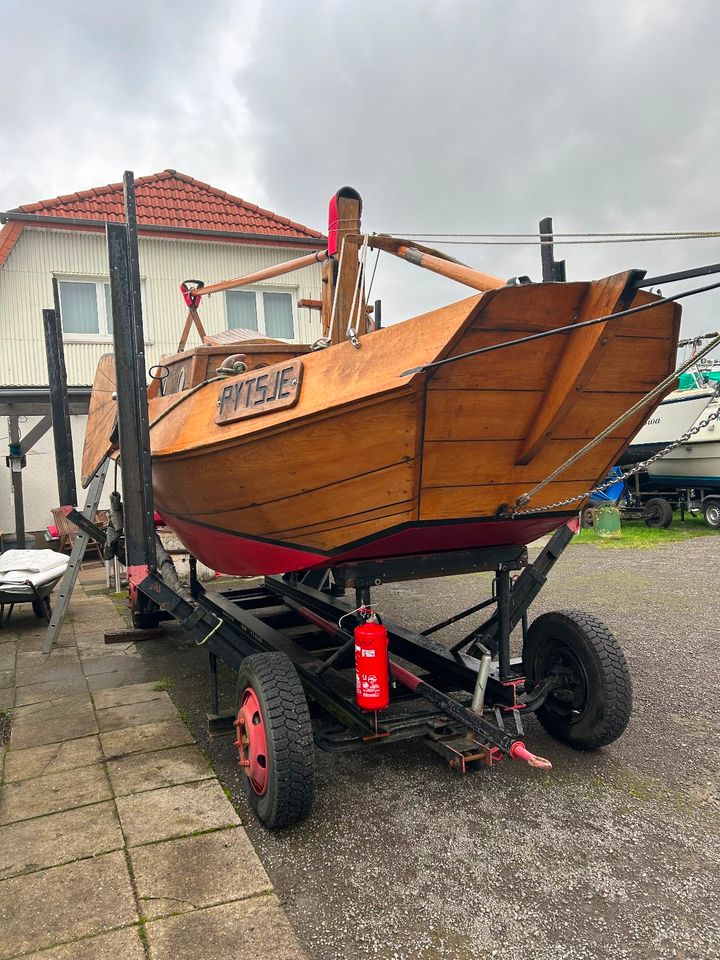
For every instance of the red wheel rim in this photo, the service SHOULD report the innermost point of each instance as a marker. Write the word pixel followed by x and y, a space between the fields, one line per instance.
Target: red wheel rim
pixel 251 741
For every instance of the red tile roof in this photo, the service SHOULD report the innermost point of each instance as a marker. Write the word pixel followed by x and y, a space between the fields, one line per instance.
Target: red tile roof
pixel 172 200
pixel 8 237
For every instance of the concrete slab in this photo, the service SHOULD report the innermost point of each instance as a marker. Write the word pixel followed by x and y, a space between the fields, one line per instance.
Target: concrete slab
pixel 244 930
pixel 120 945
pixel 6 678
pixel 34 642
pixel 133 714
pixel 49 690
pixel 163 768
pixel 175 812
pixel 110 663
pixel 132 693
pixel 51 758
pixel 65 903
pixel 50 794
pixel 132 673
pixel 30 658
pixel 7 698
pixel 54 709
pixel 145 737
pixel 68 727
pixel 51 670
pixel 7 656
pixel 196 872
pixel 59 838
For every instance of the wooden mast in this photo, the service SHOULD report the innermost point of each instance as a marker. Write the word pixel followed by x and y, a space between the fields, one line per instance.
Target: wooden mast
pixel 339 288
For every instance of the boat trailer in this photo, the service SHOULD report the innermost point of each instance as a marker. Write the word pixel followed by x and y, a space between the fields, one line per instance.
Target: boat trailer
pixel 292 638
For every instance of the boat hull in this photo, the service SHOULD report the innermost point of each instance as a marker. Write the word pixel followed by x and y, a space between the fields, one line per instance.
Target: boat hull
pixel 245 555
pixel 672 419
pixel 372 462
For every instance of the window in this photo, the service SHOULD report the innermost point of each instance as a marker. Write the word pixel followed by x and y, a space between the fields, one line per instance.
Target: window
pixel 270 312
pixel 85 308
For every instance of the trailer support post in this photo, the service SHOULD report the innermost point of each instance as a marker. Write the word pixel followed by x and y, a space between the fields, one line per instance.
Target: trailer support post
pixel 503 601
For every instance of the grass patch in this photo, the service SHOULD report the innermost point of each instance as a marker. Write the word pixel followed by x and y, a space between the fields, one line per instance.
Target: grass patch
pixel 163 684
pixel 635 535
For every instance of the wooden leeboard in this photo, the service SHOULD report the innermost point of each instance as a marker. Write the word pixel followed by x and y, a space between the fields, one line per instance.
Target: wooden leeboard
pixel 102 417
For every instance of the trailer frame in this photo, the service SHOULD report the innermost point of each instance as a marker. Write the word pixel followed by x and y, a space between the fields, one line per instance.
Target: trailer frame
pixel 466 699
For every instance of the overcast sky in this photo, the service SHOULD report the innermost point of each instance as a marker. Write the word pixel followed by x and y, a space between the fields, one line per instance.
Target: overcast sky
pixel 477 116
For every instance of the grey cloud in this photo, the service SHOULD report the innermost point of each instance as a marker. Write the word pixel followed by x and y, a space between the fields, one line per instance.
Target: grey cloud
pixel 462 115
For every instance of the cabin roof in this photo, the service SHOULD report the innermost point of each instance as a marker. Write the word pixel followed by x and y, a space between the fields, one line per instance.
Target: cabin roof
pixel 171 201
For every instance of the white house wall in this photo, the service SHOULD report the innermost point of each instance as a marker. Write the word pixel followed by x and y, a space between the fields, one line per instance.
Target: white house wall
pixel 40 493
pixel 26 289
pixel 40 254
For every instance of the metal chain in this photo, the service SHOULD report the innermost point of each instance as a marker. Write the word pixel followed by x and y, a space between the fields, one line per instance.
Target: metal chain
pixel 625 475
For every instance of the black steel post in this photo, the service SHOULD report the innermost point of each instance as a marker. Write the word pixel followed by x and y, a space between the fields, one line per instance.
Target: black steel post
pixel 15 462
pixel 140 393
pixel 503 603
pixel 59 403
pixel 132 400
pixel 552 269
pixel 377 314
pixel 214 697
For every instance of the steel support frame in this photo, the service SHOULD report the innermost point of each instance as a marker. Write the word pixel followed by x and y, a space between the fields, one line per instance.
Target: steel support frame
pixel 59 402
pixel 129 347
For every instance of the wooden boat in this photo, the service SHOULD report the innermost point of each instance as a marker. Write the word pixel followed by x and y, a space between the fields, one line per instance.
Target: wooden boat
pixel 308 458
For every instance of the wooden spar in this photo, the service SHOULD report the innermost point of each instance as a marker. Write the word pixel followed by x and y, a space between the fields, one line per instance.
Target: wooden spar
pixel 192 318
pixel 467 275
pixel 267 274
pixel 433 260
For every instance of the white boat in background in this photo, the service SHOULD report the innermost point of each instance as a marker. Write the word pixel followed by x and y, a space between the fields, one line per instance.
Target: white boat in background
pixel 697 462
pixel 673 418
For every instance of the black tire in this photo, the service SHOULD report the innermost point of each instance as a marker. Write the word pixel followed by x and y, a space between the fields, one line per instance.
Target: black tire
pixel 658 512
pixel 290 791
pixel 587 519
pixel 593 707
pixel 711 512
pixel 42 609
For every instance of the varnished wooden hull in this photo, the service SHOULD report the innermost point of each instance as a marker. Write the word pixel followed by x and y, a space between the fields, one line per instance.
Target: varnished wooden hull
pixel 370 463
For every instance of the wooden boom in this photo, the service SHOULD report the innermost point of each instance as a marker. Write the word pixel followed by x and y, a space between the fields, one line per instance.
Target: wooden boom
pixel 287 266
pixel 433 260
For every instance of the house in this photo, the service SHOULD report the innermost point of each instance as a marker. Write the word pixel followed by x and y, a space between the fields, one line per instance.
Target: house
pixel 187 230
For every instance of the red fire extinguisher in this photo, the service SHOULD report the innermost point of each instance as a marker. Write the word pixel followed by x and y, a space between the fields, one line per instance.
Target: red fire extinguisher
pixel 372 677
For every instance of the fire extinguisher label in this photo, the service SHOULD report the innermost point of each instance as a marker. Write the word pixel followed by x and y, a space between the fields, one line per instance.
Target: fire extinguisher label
pixel 367 684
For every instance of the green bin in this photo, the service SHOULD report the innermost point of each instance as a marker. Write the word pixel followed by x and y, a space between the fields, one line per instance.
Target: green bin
pixel 607 522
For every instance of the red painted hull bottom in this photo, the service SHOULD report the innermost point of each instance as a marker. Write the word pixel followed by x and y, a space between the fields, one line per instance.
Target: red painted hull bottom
pixel 246 556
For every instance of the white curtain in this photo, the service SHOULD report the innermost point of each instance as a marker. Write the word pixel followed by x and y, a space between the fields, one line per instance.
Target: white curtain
pixel 78 305
pixel 278 316
pixel 241 309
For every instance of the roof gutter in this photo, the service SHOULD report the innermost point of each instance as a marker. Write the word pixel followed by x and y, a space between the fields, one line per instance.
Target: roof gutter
pixel 41 219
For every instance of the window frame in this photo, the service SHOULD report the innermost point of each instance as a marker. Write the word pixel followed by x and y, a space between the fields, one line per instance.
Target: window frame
pixel 104 335
pixel 260 308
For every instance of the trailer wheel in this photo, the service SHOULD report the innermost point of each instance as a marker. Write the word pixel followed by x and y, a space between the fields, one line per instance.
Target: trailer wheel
pixel 587 518
pixel 275 740
pixel 711 512
pixel 658 512
pixel 592 706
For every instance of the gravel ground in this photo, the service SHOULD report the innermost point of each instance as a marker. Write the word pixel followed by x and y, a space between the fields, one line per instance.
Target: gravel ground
pixel 610 854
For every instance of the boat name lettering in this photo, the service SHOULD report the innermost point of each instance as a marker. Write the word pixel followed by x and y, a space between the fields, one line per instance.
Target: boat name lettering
pixel 276 388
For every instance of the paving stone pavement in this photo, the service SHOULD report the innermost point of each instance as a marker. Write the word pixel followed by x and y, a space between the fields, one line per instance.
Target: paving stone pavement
pixel 116 840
